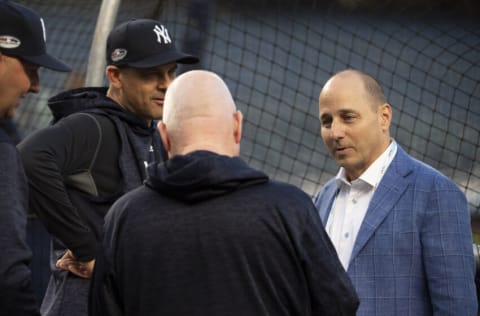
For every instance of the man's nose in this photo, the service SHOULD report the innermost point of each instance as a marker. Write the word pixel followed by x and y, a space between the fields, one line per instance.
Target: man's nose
pixel 338 129
pixel 164 81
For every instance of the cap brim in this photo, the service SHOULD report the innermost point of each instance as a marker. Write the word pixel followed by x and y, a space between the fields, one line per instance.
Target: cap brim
pixel 163 59
pixel 48 61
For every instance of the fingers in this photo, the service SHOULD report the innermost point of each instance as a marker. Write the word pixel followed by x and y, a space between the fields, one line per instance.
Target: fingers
pixel 78 268
pixel 80 271
pixel 64 263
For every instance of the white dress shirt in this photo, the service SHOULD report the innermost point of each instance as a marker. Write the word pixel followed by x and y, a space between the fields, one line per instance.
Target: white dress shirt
pixel 351 204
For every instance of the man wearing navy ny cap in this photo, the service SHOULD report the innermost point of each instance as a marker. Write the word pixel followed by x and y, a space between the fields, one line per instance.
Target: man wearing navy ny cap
pixel 95 151
pixel 22 52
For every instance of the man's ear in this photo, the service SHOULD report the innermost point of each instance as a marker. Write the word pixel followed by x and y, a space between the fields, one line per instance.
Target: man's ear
pixel 2 60
pixel 237 126
pixel 162 129
pixel 385 113
pixel 113 75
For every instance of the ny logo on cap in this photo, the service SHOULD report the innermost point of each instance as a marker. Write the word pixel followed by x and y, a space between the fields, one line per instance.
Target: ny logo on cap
pixel 162 33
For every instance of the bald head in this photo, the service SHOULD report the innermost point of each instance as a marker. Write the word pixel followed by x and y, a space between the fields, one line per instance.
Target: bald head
pixel 199 114
pixel 352 77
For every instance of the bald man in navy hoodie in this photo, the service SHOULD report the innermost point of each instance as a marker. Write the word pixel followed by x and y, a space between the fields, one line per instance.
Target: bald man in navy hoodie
pixel 209 235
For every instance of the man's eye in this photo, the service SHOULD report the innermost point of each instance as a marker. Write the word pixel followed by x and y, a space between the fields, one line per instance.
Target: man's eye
pixel 326 123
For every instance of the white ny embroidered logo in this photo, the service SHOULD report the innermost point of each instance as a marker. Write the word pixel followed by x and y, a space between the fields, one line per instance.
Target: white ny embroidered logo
pixel 162 33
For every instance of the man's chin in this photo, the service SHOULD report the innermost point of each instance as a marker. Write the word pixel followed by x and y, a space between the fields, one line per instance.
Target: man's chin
pixel 157 115
pixel 343 162
pixel 341 159
pixel 10 113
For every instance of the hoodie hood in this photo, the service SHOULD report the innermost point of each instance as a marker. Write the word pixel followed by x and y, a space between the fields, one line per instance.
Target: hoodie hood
pixel 91 100
pixel 201 175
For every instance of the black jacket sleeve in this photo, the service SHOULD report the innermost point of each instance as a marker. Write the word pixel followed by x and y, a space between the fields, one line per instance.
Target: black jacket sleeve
pixel 16 292
pixel 50 156
pixel 339 296
pixel 332 291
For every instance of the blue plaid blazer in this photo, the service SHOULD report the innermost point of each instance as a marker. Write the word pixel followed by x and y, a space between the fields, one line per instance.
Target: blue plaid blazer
pixel 413 255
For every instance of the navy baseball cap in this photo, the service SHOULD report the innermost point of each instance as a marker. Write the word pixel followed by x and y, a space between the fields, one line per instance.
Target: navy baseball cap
pixel 22 35
pixel 143 43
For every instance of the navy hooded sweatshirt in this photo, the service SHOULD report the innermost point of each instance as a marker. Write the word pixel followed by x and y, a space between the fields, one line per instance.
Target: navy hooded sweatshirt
pixel 208 235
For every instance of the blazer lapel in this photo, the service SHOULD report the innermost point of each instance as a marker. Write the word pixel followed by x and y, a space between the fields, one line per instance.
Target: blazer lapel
pixel 388 192
pixel 328 197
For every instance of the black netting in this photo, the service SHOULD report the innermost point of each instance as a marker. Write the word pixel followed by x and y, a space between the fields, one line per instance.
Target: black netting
pixel 275 57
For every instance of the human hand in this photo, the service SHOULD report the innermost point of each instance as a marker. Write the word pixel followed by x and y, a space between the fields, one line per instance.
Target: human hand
pixel 70 263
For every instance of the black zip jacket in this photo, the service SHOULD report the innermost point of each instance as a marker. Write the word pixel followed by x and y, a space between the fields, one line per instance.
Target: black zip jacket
pixel 73 176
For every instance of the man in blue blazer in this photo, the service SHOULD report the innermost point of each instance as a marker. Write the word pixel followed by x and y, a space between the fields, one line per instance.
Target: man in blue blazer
pixel 401 228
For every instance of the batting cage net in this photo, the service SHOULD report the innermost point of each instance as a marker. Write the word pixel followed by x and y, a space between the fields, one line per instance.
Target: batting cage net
pixel 276 55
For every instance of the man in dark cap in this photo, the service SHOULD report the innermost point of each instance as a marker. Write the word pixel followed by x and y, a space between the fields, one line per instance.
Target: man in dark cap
pixel 96 150
pixel 22 52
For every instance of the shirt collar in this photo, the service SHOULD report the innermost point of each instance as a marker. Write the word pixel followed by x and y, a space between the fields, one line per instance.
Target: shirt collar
pixel 375 171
